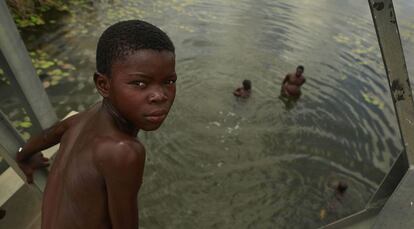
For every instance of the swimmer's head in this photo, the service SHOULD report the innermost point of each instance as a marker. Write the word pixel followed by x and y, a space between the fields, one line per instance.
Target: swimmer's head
pixel 247 84
pixel 135 64
pixel 341 187
pixel 299 70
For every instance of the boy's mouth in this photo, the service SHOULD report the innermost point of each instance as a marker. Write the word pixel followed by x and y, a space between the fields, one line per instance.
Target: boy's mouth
pixel 156 116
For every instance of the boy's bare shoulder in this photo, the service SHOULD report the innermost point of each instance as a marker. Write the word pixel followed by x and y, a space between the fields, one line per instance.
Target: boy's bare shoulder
pixel 114 154
pixel 73 120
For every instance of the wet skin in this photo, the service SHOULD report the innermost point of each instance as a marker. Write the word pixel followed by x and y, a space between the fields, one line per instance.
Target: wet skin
pixel 242 92
pixel 292 83
pixel 96 175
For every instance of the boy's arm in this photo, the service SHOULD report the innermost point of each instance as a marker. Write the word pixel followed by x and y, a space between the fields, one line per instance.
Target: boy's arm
pixel 122 166
pixel 29 159
pixel 47 138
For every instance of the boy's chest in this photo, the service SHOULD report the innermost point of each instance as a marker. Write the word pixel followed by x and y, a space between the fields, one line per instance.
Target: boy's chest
pixel 295 80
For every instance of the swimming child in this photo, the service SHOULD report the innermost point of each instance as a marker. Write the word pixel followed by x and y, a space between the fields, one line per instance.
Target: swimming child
pixel 245 90
pixel 2 213
pixel 98 169
pixel 340 190
pixel 292 83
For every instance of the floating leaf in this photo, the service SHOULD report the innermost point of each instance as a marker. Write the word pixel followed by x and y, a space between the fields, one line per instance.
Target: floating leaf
pixel 54 82
pixel 45 64
pixel 362 50
pixel 363 62
pixel 340 38
pixel 36 20
pixel 65 74
pixel 372 99
pixel 55 72
pixel 56 77
pixel 25 124
pixel 25 135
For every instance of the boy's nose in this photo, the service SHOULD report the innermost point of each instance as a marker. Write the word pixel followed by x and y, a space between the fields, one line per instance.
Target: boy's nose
pixel 157 96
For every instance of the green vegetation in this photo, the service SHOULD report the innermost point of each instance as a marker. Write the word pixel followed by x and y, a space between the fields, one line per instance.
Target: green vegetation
pixel 3 78
pixel 27 13
pixel 51 70
pixel 22 124
pixel 373 99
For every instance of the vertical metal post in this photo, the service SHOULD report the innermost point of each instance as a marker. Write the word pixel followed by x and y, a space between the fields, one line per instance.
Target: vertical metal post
pixel 386 27
pixel 388 35
pixel 17 66
pixel 10 141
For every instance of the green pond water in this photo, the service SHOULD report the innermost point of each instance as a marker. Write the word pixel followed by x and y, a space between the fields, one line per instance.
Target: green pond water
pixel 218 162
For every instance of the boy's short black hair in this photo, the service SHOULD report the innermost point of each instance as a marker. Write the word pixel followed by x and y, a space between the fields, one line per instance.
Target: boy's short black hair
pixel 127 37
pixel 247 84
pixel 300 67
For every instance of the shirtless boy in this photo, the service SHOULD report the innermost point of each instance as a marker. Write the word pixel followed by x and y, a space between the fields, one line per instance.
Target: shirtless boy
pixel 97 172
pixel 292 83
pixel 245 91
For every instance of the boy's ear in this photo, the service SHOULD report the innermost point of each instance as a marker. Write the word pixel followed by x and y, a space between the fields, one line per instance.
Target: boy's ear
pixel 102 84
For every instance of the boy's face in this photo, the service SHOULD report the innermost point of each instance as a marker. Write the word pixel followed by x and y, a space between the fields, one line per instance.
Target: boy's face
pixel 299 71
pixel 142 87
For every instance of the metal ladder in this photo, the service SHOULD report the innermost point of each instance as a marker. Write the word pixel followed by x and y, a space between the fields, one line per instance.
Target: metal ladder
pixel 16 64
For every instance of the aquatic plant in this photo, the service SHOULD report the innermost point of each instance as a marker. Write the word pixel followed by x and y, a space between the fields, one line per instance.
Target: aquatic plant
pixel 3 78
pixel 373 99
pixel 51 70
pixel 28 13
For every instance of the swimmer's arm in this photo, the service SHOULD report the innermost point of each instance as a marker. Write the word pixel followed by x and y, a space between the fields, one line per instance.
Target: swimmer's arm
pixel 237 92
pixel 122 166
pixel 46 139
pixel 285 80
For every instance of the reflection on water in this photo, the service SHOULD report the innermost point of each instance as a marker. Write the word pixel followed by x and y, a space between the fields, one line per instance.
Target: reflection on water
pixel 219 162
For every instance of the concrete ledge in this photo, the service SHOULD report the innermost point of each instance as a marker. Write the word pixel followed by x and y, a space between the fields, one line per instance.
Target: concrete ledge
pixel 22 210
pixel 399 210
pixel 10 182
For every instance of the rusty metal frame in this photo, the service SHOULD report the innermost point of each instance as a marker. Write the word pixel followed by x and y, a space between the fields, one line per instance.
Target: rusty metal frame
pixel 388 35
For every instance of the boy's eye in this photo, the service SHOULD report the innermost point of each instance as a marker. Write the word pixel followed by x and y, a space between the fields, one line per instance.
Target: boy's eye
pixel 170 81
pixel 140 84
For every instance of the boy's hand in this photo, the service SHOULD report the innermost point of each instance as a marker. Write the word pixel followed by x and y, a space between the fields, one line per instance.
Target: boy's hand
pixel 28 166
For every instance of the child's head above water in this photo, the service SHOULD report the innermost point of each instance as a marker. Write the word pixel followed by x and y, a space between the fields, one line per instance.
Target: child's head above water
pixel 299 70
pixel 135 75
pixel 247 84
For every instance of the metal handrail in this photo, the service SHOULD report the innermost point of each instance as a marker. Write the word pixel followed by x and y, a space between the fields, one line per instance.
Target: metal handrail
pixel 388 35
pixel 18 68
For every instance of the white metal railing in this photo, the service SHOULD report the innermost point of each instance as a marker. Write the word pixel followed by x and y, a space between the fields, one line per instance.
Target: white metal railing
pixel 18 68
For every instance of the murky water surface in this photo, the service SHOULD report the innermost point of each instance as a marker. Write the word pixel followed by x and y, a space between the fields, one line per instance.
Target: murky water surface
pixel 219 162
